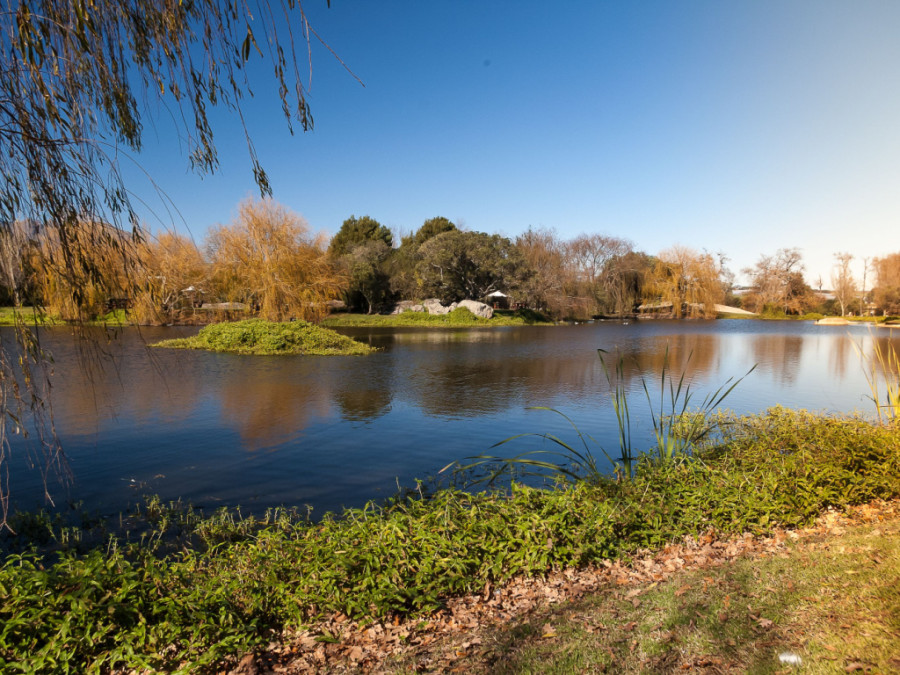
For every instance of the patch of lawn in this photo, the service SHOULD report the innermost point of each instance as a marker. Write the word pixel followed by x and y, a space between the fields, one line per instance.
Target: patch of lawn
pixel 28 315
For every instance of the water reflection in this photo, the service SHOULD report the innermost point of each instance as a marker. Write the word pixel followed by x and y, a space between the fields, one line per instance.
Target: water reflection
pixel 341 430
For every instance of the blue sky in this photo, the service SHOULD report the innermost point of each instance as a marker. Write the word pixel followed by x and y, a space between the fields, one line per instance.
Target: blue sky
pixel 738 127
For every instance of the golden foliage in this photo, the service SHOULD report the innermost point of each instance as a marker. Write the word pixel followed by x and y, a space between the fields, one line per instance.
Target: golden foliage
pixel 689 280
pixel 886 294
pixel 79 269
pixel 268 259
pixel 170 265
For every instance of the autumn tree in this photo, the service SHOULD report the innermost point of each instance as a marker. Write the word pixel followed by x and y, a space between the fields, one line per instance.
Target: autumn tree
pixel 18 252
pixel 842 281
pixel 623 280
pixel 458 265
pixel 268 259
pixel 886 293
pixel 777 284
pixel 174 276
pixel 544 288
pixel 686 279
pixel 102 269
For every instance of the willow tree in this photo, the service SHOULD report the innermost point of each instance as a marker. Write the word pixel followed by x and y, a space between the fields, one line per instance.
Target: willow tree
pixel 77 80
pixel 174 276
pixel 104 272
pixel 268 260
pixel 686 279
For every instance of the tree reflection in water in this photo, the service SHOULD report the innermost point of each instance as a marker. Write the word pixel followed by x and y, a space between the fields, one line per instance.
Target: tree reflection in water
pixel 352 427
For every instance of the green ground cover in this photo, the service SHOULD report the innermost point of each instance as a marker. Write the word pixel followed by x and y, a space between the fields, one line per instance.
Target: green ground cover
pixel 189 592
pixel 28 315
pixel 458 318
pixel 825 602
pixel 256 336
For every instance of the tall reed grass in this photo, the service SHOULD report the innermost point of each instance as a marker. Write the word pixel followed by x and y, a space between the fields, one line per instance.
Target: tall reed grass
pixel 678 425
pixel 882 371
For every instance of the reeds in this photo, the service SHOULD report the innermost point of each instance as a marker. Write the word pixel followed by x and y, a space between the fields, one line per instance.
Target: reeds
pixel 677 428
pixel 882 371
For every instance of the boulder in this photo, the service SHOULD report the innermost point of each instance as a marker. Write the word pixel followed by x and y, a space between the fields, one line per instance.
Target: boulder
pixel 479 309
pixel 407 306
pixel 434 306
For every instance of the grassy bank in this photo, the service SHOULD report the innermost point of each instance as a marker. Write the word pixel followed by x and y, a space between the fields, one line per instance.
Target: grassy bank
pixel 820 600
pixel 255 336
pixel 9 316
pixel 193 591
pixel 458 318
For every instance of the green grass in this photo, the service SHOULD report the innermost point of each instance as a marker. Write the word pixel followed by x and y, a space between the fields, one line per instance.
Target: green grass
pixel 189 592
pixel 832 601
pixel 256 336
pixel 28 315
pixel 458 318
pixel 31 316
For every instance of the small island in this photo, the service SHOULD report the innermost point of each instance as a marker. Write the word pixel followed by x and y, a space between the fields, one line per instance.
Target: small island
pixel 257 336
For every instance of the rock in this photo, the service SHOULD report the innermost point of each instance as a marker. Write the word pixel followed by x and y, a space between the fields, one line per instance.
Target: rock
pixel 479 309
pixel 407 306
pixel 434 306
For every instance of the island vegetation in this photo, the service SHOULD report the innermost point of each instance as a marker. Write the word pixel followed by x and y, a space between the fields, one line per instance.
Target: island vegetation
pixel 458 318
pixel 256 336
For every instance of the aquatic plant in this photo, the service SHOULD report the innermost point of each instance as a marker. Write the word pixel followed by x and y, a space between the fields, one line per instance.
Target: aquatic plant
pixel 677 426
pixel 882 371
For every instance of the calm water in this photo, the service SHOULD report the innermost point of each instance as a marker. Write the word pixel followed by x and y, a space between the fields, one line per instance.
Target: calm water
pixel 221 429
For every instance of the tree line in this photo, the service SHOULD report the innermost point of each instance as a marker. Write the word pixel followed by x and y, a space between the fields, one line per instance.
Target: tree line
pixel 269 263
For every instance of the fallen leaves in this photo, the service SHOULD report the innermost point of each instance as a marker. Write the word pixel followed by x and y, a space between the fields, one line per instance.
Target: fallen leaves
pixel 454 635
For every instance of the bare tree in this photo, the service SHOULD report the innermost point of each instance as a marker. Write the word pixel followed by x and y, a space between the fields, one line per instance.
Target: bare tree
pixel 843 282
pixel 545 287
pixel 777 282
pixel 862 295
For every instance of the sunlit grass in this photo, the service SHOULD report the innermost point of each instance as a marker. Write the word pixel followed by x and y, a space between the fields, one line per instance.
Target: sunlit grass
pixel 458 318
pixel 831 602
pixel 256 336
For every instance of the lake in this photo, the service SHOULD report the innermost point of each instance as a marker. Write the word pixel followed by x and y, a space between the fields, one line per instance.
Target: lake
pixel 219 429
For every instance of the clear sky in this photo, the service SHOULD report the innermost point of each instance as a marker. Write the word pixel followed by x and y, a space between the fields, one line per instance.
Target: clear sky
pixel 738 127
